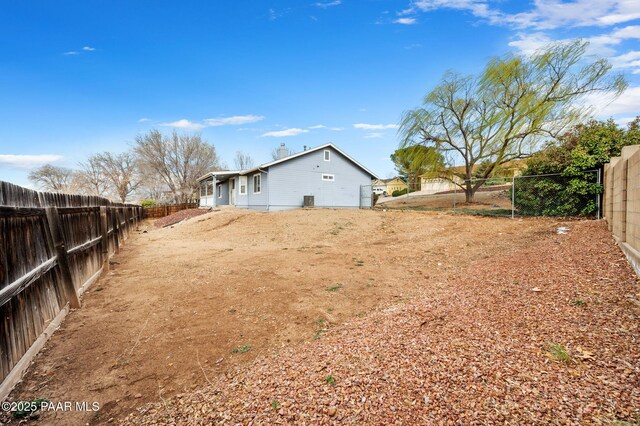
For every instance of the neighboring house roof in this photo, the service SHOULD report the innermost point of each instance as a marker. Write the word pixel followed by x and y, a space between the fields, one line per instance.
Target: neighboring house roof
pixel 393 179
pixel 290 157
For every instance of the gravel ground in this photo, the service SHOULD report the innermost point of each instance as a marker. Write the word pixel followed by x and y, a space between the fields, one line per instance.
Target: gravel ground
pixel 544 335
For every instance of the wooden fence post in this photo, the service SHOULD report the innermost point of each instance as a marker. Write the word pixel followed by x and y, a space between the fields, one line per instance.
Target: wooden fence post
pixel 55 227
pixel 125 213
pixel 104 230
pixel 114 225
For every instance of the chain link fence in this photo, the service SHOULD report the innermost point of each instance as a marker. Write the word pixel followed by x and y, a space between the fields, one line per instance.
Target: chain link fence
pixel 558 194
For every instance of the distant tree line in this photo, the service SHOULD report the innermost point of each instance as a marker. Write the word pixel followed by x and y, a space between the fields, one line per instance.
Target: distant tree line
pixel 161 168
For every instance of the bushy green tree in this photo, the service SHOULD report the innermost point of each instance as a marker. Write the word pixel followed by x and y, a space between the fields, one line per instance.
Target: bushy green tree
pixel 415 161
pixel 573 160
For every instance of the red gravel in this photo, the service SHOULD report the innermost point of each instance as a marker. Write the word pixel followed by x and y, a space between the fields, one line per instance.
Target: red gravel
pixel 172 219
pixel 474 348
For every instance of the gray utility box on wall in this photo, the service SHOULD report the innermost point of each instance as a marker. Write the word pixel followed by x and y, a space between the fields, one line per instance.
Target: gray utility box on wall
pixel 308 201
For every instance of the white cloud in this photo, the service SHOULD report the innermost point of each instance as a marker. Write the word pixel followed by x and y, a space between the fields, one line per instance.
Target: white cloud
pixel 233 121
pixel 374 135
pixel 325 5
pixel 211 122
pixel 529 44
pixel 600 45
pixel 627 60
pixel 375 126
pixel 546 14
pixel 605 105
pixel 184 124
pixel 28 161
pixel 623 121
pixel 406 21
pixel 286 132
pixel 77 52
pixel 144 120
pixel 322 126
pixel 631 31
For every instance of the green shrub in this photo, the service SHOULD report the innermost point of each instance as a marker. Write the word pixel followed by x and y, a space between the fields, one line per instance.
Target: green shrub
pixel 399 192
pixel 148 203
pixel 573 189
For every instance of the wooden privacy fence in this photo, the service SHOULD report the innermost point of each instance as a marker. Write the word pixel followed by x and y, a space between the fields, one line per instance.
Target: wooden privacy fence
pixel 166 209
pixel 52 247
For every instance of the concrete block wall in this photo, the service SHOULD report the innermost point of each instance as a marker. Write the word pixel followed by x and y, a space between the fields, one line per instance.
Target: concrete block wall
pixel 632 235
pixel 619 198
pixel 622 202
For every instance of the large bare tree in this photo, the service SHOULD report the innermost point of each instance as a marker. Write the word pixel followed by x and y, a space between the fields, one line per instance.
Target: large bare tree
pixel 121 170
pixel 242 161
pixel 504 113
pixel 91 178
pixel 178 159
pixel 52 178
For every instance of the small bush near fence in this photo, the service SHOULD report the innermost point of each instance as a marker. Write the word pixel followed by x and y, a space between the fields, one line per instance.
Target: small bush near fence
pixel 399 192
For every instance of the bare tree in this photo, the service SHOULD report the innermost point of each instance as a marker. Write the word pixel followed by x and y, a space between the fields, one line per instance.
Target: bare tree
pixel 121 169
pixel 52 178
pixel 178 159
pixel 243 161
pixel 91 178
pixel 153 186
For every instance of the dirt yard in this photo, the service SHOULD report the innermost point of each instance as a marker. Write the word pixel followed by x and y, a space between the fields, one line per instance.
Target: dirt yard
pixel 187 304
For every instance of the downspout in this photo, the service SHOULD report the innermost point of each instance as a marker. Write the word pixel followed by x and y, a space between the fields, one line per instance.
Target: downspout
pixel 268 186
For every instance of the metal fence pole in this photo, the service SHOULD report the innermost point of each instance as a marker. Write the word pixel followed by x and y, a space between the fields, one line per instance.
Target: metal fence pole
pixel 598 194
pixel 513 197
pixel 455 192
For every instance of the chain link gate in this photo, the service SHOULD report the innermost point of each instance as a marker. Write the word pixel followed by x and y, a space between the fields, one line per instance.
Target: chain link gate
pixel 366 196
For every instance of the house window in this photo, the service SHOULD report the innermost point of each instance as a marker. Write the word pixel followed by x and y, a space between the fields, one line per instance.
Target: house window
pixel 328 178
pixel 327 155
pixel 203 189
pixel 257 183
pixel 219 191
pixel 209 189
pixel 243 185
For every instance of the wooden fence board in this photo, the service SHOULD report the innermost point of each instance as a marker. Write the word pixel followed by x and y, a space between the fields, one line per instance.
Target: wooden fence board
pixel 86 231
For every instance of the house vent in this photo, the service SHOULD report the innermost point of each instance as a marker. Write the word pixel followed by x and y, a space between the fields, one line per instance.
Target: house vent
pixel 308 201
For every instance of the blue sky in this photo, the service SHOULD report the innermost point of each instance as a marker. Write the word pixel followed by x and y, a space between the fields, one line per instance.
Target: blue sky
pixel 79 77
